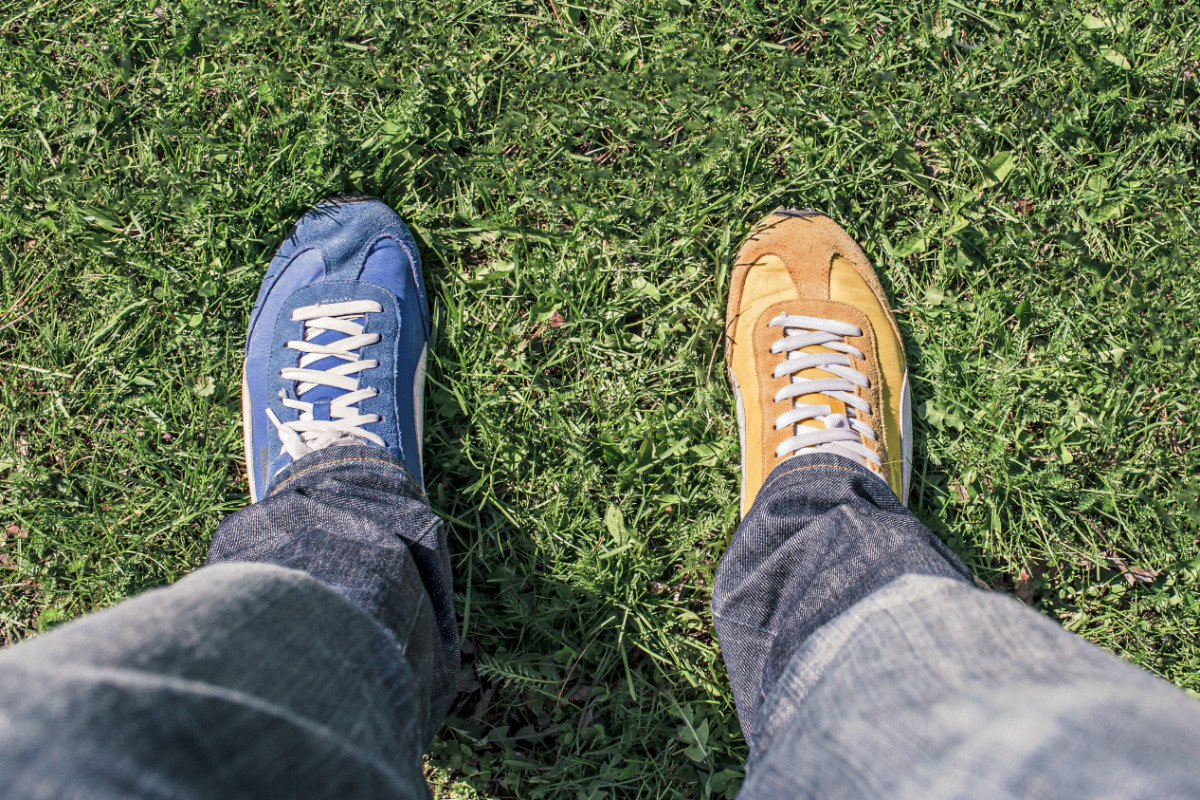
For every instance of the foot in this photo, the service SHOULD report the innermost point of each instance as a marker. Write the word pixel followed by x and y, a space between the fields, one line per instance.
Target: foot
pixel 336 349
pixel 814 353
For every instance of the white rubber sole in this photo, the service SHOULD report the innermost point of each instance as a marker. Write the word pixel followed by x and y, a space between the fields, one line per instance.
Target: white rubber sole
pixel 906 438
pixel 246 438
pixel 419 410
pixel 741 420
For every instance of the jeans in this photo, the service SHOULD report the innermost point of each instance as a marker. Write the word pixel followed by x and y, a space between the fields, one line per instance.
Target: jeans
pixel 315 657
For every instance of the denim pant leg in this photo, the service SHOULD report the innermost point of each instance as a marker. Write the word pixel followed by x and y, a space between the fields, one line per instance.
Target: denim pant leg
pixel 355 519
pixel 865 663
pixel 325 679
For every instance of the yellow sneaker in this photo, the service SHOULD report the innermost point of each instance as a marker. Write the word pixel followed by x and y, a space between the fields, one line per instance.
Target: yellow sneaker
pixel 814 353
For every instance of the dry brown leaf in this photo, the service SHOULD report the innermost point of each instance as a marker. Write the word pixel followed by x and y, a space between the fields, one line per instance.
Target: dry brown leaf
pixel 1135 575
pixel 1025 586
pixel 1132 575
pixel 556 320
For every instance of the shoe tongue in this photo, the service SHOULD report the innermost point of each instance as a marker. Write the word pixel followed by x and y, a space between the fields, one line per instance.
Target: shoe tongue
pixel 323 394
pixel 816 399
pixel 836 421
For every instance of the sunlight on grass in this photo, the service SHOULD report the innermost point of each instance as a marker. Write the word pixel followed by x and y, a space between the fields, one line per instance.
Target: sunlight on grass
pixel 579 177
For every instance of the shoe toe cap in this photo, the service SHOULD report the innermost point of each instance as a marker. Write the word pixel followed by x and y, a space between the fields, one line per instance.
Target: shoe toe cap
pixel 344 228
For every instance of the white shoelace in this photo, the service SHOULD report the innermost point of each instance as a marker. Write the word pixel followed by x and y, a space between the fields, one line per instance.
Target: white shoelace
pixel 842 432
pixel 345 422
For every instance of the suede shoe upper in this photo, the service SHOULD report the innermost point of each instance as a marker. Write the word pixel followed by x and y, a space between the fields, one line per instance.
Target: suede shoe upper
pixel 337 341
pixel 813 352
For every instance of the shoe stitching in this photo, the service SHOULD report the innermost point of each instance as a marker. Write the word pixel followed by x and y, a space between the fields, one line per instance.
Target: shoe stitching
pixel 366 251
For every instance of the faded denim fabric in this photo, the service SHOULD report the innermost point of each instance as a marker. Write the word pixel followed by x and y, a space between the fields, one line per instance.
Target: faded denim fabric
pixel 240 681
pixel 823 534
pixel 353 518
pixel 316 657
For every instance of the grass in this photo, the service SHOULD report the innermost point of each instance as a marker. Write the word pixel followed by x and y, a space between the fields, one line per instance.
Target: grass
pixel 579 176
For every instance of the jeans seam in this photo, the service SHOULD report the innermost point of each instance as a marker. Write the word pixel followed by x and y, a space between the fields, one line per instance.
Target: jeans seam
pixel 291 478
pixel 778 478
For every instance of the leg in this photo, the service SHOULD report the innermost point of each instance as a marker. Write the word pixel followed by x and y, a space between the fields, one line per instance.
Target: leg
pixel 863 661
pixel 255 679
pixel 239 681
pixel 317 655
pixel 865 664
pixel 353 518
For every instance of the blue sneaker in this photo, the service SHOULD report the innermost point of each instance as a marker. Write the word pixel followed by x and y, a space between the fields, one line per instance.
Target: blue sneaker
pixel 336 350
